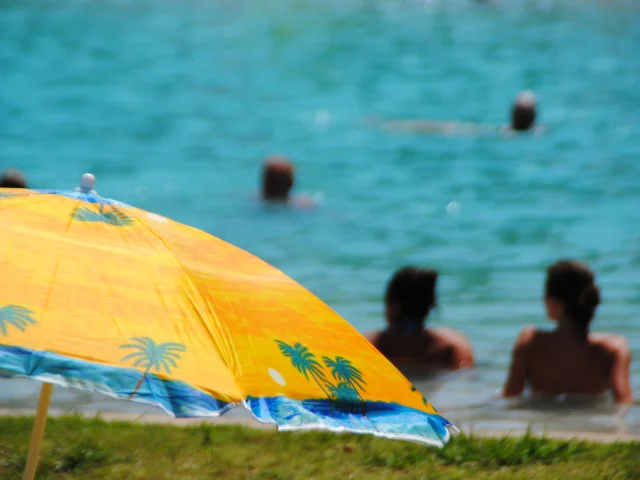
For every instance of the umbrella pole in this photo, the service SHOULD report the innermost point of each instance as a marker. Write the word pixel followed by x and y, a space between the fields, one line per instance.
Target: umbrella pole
pixel 38 432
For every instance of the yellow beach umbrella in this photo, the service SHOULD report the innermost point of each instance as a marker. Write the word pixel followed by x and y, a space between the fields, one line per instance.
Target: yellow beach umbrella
pixel 104 297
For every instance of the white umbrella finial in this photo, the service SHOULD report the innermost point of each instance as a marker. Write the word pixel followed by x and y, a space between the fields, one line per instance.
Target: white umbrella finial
pixel 87 182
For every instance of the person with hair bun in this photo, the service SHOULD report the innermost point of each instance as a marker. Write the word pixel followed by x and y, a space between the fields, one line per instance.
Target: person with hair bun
pixel 406 342
pixel 569 359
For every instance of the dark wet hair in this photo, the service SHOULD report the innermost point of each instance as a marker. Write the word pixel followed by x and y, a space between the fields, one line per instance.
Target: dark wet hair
pixel 413 290
pixel 522 117
pixel 277 178
pixel 12 178
pixel 573 285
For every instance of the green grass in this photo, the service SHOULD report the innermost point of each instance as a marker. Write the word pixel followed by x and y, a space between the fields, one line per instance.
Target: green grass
pixel 78 448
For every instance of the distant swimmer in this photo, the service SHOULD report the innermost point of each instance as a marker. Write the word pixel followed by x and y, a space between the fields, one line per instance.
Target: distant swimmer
pixel 524 114
pixel 523 119
pixel 277 182
pixel 12 178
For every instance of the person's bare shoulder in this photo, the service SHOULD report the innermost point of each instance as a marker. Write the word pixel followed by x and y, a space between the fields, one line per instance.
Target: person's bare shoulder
pixel 527 336
pixel 619 353
pixel 525 345
pixel 449 335
pixel 520 358
pixel 458 343
pixel 613 344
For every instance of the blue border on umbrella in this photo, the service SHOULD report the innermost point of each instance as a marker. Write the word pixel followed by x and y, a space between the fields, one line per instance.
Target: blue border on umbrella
pixel 182 400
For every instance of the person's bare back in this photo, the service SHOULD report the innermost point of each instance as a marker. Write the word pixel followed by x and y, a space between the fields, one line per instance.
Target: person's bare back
pixel 558 366
pixel 553 363
pixel 570 360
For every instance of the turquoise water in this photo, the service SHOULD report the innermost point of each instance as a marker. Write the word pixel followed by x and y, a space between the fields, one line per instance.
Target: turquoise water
pixel 173 106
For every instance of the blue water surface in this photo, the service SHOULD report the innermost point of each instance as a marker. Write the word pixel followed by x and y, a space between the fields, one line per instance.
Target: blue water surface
pixel 173 105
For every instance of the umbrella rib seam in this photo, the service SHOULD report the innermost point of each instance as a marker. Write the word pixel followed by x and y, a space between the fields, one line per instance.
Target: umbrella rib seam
pixel 227 336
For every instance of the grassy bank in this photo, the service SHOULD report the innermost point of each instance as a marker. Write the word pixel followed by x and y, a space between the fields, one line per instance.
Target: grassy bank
pixel 77 448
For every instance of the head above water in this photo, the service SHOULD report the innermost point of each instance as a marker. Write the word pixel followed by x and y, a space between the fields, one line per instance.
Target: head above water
pixel 523 112
pixel 410 296
pixel 12 178
pixel 277 178
pixel 571 294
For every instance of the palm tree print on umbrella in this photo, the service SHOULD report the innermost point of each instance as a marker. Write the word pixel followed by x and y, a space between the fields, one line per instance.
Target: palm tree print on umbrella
pixel 16 316
pixel 305 362
pixel 111 217
pixel 344 371
pixel 151 355
pixel 344 392
pixel 349 376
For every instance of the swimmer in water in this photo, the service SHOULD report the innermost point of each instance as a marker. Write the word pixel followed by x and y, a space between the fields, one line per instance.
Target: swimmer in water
pixel 523 119
pixel 277 182
pixel 277 179
pixel 406 342
pixel 12 178
pixel 569 359
pixel 524 114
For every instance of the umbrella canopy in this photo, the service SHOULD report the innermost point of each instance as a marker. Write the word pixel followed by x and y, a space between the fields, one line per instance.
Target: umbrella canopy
pixel 105 297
